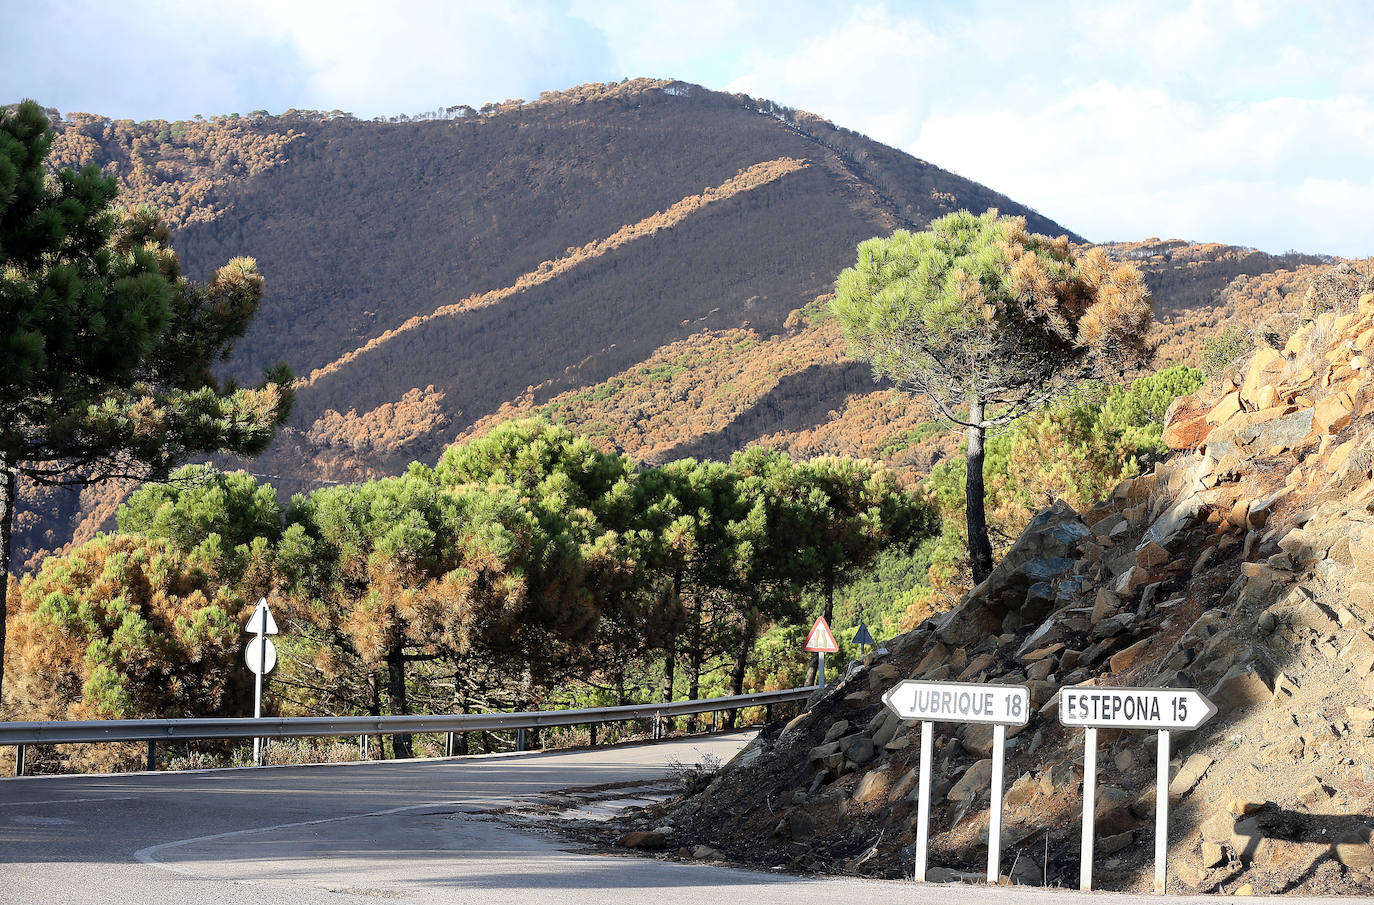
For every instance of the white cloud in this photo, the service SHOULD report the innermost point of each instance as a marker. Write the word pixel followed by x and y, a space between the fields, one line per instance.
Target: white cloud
pixel 1241 122
pixel 368 58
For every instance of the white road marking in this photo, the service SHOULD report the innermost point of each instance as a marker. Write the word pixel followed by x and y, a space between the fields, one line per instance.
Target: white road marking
pixel 21 804
pixel 146 855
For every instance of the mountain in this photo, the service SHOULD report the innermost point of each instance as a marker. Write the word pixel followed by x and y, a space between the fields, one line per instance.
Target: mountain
pixel 646 260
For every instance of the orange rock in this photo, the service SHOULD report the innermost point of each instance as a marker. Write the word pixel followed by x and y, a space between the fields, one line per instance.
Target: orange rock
pixel 1268 396
pixel 1187 434
pixel 1332 414
pixel 1151 555
pixel 1227 406
pixel 1265 361
pixel 1339 456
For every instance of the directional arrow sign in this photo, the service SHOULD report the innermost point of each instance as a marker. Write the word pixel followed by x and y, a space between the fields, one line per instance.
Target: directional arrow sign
pixel 261 622
pixel 1134 708
pixel 1161 709
pixel 863 635
pixel 960 702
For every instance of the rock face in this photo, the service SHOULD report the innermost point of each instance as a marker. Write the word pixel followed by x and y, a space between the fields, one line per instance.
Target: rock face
pixel 1243 566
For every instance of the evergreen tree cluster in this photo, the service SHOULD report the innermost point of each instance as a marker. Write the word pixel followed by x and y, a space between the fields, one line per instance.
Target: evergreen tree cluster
pixel 528 568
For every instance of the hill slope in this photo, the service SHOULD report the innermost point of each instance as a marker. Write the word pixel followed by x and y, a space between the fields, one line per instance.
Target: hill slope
pixel 579 253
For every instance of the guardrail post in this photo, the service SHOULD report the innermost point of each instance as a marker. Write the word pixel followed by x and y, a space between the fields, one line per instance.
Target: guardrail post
pixel 152 755
pixel 362 747
pixel 449 744
pixel 592 727
pixel 19 760
pixel 520 739
pixel 767 713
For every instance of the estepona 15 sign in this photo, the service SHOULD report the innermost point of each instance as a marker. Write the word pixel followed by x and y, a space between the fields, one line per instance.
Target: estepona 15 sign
pixel 1134 708
pixel 960 702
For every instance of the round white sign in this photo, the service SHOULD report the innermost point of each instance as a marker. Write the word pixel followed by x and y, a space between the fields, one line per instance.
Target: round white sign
pixel 252 655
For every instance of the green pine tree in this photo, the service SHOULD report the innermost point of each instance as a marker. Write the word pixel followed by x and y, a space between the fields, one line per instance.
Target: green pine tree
pixel 105 349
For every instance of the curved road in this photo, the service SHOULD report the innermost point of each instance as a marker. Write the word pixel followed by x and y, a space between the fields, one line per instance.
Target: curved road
pixel 369 833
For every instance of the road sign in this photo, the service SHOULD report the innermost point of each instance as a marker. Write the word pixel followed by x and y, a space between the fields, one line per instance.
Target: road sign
pixel 821 641
pixel 258 660
pixel 1161 709
pixel 261 622
pixel 1134 708
pixel 961 702
pixel 863 637
pixel 261 656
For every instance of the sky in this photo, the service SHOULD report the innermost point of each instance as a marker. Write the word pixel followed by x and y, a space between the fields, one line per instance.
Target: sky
pixel 1250 123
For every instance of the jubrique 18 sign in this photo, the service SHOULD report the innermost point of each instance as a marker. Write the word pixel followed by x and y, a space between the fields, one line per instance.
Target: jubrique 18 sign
pixel 960 702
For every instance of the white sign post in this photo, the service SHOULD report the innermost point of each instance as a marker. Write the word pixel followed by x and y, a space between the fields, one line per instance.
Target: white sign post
pixel 1160 709
pixel 960 702
pixel 261 656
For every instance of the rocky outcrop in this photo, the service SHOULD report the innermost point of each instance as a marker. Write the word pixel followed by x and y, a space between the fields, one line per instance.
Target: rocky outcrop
pixel 1243 566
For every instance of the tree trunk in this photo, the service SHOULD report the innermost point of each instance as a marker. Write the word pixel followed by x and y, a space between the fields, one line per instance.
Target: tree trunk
pixel 8 485
pixel 746 647
pixel 979 546
pixel 396 695
pixel 670 650
pixel 669 669
pixel 695 659
pixel 829 613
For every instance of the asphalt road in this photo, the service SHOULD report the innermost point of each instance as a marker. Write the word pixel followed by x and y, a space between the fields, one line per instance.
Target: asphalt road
pixel 395 831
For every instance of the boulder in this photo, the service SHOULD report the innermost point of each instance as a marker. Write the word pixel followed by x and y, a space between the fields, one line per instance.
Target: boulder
pixel 1227 406
pixel 1263 366
pixel 1151 556
pixel 873 787
pixel 976 738
pixel 857 748
pixel 1185 423
pixel 882 675
pixel 1332 414
pixel 837 729
pixel 975 779
pixel 1242 686
pixel 1128 658
pixel 1188 776
pixel 641 839
pixel 904 786
pixel 821 752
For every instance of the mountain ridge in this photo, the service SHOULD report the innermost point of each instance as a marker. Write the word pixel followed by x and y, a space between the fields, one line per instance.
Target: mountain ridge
pixel 362 228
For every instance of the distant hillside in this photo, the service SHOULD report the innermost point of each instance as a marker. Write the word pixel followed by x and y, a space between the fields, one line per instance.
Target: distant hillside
pixel 641 259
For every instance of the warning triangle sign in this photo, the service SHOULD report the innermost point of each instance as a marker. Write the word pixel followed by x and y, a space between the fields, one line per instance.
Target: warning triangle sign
pixel 821 641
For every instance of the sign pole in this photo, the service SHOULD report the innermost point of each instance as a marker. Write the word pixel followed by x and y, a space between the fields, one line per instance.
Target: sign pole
pixel 1161 811
pixel 923 805
pixel 257 688
pixel 999 744
pixel 820 668
pixel 1085 864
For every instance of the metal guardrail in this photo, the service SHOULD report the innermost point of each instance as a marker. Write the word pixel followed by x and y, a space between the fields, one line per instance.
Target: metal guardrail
pixel 154 731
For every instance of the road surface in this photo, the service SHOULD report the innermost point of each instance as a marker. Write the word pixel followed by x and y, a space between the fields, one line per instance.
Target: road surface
pixel 384 832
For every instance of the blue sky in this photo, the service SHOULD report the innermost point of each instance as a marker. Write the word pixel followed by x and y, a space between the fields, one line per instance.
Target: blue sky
pixel 1243 122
